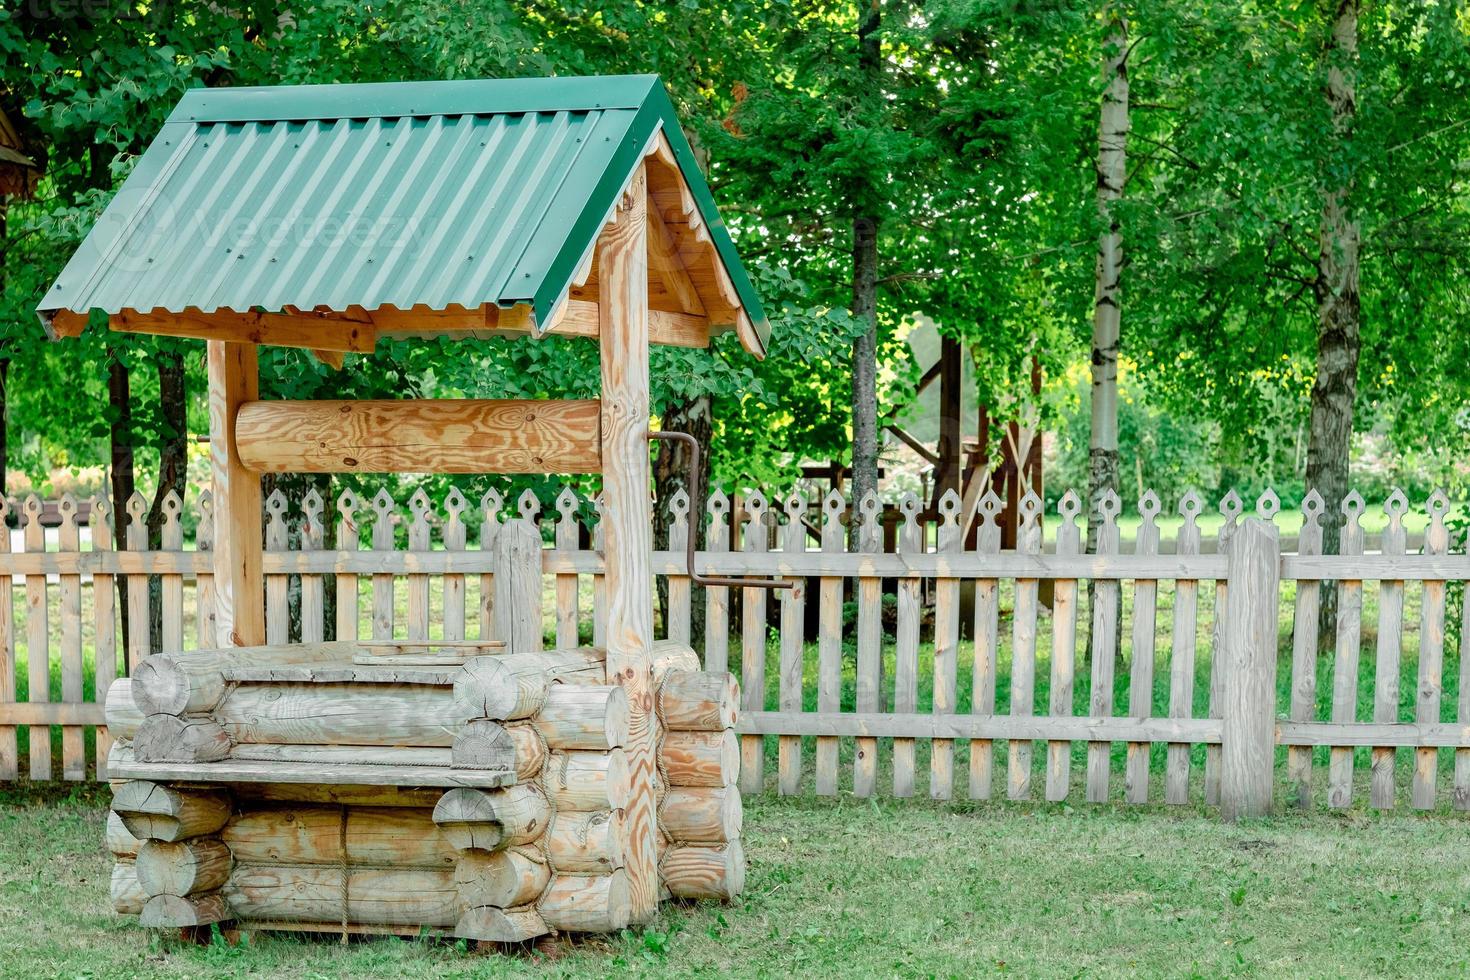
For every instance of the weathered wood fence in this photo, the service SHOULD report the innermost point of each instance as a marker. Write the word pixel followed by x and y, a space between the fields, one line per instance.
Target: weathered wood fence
pixel 1184 703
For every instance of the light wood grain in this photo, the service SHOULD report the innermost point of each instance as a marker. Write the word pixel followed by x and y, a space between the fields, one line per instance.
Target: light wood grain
pixel 1247 736
pixel 869 639
pixel 906 649
pixel 1431 659
pixel 792 665
pixel 419 436
pixel 1304 653
pixel 397 836
pixel 1141 667
pixel 238 587
pixel 396 896
pixel 753 649
pixel 1063 651
pixel 1389 657
pixel 622 252
pixel 1345 661
pixel 987 645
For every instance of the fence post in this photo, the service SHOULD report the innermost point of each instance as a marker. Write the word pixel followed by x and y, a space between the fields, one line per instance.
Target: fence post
pixel 518 579
pixel 1248 750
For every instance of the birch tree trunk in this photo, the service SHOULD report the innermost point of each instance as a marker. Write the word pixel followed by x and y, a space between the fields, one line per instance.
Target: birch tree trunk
pixel 1338 313
pixel 1107 315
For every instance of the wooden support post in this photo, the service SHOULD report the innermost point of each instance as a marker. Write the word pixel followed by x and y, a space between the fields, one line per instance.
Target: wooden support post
pixel 628 522
pixel 1248 749
pixel 239 590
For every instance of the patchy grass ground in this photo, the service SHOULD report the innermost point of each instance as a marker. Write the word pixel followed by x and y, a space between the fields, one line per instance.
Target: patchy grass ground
pixel 875 888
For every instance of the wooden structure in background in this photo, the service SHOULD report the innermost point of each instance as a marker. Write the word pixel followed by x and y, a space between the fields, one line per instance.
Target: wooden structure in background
pixel 486 788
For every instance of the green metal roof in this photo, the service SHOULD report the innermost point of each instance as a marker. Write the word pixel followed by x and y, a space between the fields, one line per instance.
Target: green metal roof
pixel 439 194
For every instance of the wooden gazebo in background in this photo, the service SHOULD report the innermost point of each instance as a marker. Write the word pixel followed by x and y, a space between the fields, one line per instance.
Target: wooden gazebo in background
pixel 326 217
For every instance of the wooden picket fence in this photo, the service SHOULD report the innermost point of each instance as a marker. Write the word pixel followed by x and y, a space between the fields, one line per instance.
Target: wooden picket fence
pixel 1197 716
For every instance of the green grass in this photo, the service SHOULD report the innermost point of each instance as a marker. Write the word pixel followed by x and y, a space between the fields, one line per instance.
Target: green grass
pixel 874 888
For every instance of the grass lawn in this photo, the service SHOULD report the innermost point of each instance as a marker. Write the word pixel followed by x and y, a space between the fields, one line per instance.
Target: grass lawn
pixel 874 888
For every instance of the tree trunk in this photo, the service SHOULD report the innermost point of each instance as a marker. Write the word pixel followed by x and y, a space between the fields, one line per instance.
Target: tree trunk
pixel 1112 148
pixel 173 459
pixel 120 410
pixel 1338 312
pixel 670 475
pixel 865 294
pixel 4 423
pixel 1107 314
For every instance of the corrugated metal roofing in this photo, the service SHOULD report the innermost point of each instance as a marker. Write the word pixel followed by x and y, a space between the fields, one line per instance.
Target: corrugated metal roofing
pixel 438 194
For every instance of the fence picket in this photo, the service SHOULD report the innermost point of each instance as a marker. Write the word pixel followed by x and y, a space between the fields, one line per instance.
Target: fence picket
pixel 717 598
pixel 1462 756
pixel 1181 653
pixel 792 665
pixel 869 520
pixel 206 634
pixel 753 650
pixel 490 504
pixel 1063 649
pixel 171 584
pixel 9 740
pixel 1023 649
pixel 1141 676
pixel 382 613
pixel 38 643
pixel 454 534
pixel 419 540
pixel 829 645
pixel 906 647
pixel 946 648
pixel 1389 653
pixel 1431 656
pixel 140 639
pixel 277 587
pixel 1304 652
pixel 987 638
pixel 1230 509
pixel 104 619
pixel 1107 598
pixel 73 737
pixel 565 537
pixel 349 602
pixel 313 589
pixel 1345 661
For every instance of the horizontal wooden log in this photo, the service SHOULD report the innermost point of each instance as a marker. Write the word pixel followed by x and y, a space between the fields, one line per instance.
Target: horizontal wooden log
pixel 169 738
pixel 52 713
pixel 441 675
pixel 492 819
pixel 128 897
pixel 578 903
pixel 333 333
pixel 485 744
pixel 122 715
pixel 193 682
pixel 325 780
pixel 587 780
pixel 1417 734
pixel 1035 728
pixel 491 924
pixel 700 872
pixel 167 813
pixel 341 755
pixel 120 841
pixel 267 794
pixel 420 436
pixel 586 842
pixel 514 686
pixel 591 717
pixel 669 655
pixel 507 878
pixel 341 714
pixel 699 701
pixel 180 911
pixel 701 816
pixel 183 867
pixel 376 896
pixel 399 837
pixel 710 759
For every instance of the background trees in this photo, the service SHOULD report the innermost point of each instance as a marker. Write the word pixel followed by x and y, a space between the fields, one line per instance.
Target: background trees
pixel 1292 201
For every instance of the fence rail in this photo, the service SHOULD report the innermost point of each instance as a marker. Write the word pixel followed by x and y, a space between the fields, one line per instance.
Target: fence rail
pixel 1157 664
